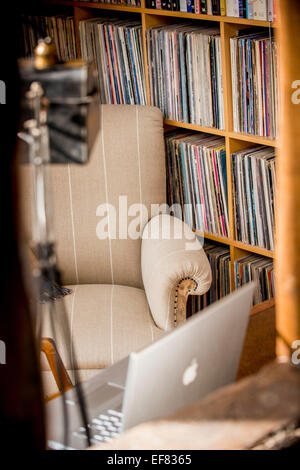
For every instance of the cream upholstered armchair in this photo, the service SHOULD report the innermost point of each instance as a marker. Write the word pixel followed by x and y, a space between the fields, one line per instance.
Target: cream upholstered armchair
pixel 126 291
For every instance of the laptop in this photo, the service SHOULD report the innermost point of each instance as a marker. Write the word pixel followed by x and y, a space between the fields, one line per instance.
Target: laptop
pixel 181 368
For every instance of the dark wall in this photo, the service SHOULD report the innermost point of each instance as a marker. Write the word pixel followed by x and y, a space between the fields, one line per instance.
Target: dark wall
pixel 21 412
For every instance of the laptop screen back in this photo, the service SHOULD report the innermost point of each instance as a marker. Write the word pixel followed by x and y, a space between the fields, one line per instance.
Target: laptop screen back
pixel 190 362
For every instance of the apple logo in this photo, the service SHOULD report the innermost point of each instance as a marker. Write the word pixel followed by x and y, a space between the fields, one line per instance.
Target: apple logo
pixel 190 373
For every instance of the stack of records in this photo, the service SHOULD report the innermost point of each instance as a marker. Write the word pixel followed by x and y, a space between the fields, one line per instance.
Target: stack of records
pixel 193 305
pixel 254 196
pixel 197 181
pixel 256 268
pixel 219 259
pixel 185 73
pixel 254 83
pixel 116 47
pixel 133 3
pixel 251 9
pixel 60 28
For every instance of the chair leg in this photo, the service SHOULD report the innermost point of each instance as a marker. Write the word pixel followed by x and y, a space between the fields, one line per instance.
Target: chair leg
pixel 56 364
pixel 185 288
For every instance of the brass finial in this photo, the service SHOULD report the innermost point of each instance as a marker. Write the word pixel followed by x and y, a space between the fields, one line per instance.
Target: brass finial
pixel 45 54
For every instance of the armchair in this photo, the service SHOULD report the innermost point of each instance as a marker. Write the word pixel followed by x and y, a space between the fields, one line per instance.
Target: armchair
pixel 174 265
pixel 128 290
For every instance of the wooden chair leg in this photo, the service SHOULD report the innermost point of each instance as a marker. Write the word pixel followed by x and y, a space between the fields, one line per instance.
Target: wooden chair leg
pixel 56 364
pixel 185 288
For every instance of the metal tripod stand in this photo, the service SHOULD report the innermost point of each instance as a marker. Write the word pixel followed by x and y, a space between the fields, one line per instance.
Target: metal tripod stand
pixel 36 135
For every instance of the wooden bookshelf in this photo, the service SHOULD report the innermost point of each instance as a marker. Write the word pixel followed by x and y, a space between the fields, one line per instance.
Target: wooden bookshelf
pixel 176 14
pixel 233 141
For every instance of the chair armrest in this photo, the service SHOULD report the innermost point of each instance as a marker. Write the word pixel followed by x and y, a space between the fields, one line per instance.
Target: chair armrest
pixel 174 265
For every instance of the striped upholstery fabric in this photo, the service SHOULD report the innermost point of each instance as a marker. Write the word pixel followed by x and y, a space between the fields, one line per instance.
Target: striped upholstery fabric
pixel 108 312
pixel 106 323
pixel 128 159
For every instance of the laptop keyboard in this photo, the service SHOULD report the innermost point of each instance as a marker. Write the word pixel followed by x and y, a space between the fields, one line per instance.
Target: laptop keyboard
pixel 103 428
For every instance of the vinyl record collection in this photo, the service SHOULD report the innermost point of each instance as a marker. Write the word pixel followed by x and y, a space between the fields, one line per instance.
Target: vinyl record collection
pixel 132 3
pixel 264 10
pixel 254 195
pixel 185 73
pixel 250 268
pixel 185 82
pixel 197 182
pixel 256 268
pixel 251 9
pixel 116 47
pixel 60 28
pixel 219 259
pixel 254 83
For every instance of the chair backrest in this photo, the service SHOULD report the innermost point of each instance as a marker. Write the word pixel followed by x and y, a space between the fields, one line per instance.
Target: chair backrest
pixel 128 159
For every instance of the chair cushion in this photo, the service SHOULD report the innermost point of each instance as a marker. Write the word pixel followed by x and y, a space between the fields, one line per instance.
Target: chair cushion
pixel 107 322
pixel 49 384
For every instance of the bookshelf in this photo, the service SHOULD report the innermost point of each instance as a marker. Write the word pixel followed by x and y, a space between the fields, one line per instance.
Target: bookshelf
pixel 233 141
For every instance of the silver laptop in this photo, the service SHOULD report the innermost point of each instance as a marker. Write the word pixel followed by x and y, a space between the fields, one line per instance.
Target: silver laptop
pixel 182 367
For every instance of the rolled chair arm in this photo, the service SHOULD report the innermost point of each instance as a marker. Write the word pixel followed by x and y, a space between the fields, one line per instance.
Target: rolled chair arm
pixel 174 265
